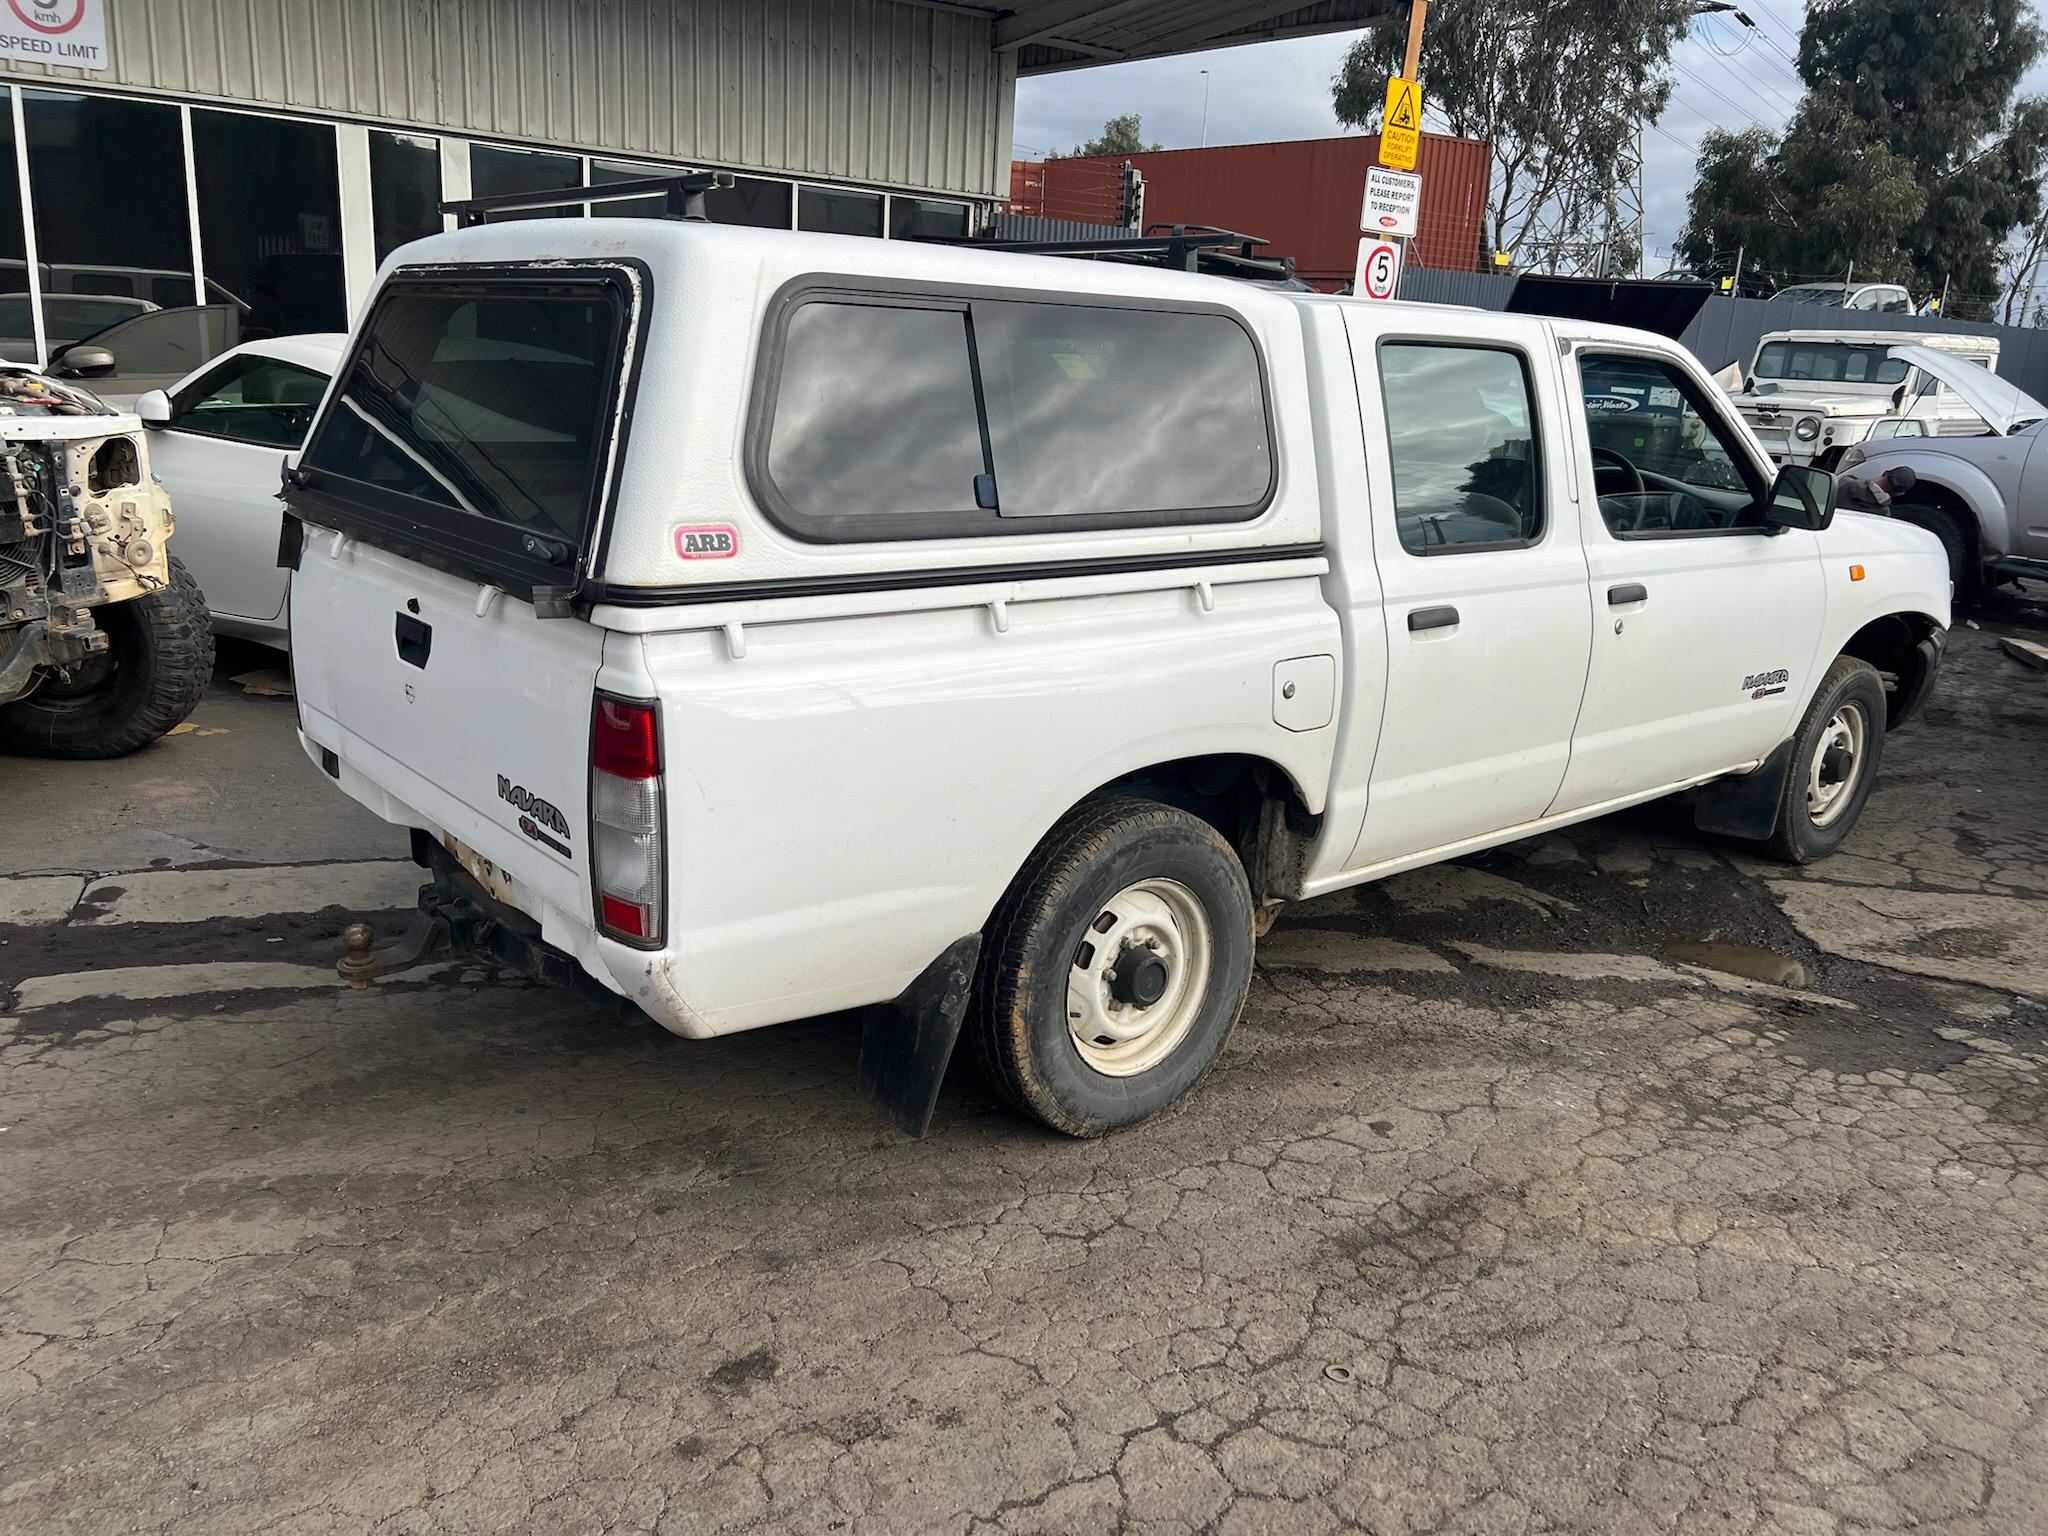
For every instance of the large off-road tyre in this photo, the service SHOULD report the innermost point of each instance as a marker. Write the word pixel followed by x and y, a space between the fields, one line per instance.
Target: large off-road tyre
pixel 158 660
pixel 1957 540
pixel 1115 966
pixel 1834 763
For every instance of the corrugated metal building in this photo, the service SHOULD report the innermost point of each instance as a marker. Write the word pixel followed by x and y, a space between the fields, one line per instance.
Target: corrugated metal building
pixel 268 153
pixel 1303 196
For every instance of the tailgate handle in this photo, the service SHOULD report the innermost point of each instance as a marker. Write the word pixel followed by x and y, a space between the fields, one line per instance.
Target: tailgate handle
pixel 1432 618
pixel 1631 592
pixel 415 640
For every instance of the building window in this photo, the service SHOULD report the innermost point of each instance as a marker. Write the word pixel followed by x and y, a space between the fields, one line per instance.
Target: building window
pixel 831 211
pixel 405 189
pixel 1462 444
pixel 496 172
pixel 17 323
pixel 108 186
pixel 270 219
pixel 751 200
pixel 924 218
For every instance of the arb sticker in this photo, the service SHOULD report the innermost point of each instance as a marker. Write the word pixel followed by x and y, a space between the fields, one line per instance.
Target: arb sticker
pixel 719 543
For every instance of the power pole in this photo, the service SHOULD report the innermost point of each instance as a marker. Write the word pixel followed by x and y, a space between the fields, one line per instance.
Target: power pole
pixel 1205 109
pixel 1418 12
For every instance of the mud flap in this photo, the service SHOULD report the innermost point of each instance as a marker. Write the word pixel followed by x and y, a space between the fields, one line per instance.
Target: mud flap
pixel 1746 807
pixel 905 1045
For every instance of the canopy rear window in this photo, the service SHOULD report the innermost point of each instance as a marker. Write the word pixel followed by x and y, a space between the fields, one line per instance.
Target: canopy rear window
pixel 473 423
pixel 1829 362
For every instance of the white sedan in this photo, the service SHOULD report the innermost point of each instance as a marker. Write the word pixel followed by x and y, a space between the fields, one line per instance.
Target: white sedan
pixel 218 442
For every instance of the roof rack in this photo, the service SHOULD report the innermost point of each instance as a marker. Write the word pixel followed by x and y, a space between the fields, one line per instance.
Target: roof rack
pixel 1185 247
pixel 683 196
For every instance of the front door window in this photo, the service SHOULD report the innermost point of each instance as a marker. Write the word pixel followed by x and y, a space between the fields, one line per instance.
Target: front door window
pixel 1663 463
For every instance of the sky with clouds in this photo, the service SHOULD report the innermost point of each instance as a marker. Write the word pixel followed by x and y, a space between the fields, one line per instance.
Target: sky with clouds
pixel 1727 76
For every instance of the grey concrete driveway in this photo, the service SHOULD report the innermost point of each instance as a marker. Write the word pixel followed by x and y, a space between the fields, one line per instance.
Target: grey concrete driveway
pixel 1496 1215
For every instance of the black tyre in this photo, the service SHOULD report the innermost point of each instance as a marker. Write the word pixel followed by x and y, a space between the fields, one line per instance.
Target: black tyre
pixel 158 660
pixel 1957 539
pixel 1115 967
pixel 1835 757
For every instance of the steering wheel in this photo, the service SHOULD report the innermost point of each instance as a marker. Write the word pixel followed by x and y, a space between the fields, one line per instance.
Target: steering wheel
pixel 1637 487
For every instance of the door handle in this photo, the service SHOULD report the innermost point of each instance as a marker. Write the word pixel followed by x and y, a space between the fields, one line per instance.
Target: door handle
pixel 415 640
pixel 1432 618
pixel 1628 592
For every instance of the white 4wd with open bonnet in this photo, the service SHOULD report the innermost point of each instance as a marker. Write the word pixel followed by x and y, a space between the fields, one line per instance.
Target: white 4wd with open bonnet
pixel 753 625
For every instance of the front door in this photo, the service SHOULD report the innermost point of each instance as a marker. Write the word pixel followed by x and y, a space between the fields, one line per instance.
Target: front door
pixel 221 457
pixel 1487 621
pixel 1706 622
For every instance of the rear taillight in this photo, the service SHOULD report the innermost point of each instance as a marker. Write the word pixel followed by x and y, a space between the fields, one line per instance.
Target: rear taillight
pixel 626 834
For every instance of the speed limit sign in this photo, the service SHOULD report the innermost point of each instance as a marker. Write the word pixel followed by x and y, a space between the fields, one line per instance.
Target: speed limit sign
pixel 1379 269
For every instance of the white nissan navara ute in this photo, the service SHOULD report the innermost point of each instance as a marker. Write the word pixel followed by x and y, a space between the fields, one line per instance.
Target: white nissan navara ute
pixel 752 625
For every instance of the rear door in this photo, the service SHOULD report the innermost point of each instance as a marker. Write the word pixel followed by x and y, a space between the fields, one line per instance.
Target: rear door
pixel 1487 620
pixel 451 487
pixel 1707 621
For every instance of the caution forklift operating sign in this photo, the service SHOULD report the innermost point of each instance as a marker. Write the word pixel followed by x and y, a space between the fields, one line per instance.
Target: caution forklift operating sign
pixel 1401 127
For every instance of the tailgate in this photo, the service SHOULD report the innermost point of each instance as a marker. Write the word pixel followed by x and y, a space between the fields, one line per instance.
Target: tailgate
pixel 478 726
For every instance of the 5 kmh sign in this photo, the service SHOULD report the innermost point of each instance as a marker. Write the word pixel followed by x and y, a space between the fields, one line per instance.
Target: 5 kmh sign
pixel 1379 269
pixel 67 34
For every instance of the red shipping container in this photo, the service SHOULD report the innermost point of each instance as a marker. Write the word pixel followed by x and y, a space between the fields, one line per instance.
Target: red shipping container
pixel 1302 196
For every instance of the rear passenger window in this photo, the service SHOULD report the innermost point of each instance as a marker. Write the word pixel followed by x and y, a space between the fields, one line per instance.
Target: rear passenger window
pixel 927 418
pixel 1097 411
pixel 874 412
pixel 1460 422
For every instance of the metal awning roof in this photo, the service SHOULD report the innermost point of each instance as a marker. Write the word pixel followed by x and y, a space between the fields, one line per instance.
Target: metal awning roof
pixel 1047 35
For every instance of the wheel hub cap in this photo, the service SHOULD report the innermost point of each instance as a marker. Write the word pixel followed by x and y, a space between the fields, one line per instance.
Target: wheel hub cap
pixel 1140 972
pixel 1836 765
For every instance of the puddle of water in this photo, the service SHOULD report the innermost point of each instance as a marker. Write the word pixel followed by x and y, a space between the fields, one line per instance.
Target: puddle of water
pixel 1740 960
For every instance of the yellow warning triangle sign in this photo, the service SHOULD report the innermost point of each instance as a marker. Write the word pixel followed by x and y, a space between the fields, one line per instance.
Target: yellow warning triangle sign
pixel 1403 104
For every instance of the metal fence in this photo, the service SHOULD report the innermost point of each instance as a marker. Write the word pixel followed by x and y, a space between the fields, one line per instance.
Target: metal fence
pixel 1727 330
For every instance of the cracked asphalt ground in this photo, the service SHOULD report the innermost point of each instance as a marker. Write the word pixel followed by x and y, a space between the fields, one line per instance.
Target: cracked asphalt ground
pixel 1494 1216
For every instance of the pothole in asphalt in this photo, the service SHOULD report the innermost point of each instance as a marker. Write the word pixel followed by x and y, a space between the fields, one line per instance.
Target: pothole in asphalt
pixel 1749 960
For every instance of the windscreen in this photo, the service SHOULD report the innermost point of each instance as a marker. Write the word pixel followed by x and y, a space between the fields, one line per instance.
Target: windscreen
pixel 1830 362
pixel 487 400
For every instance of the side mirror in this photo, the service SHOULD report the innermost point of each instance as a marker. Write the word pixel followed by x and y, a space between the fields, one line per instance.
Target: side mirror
pixel 154 408
pixel 82 363
pixel 1896 427
pixel 1801 497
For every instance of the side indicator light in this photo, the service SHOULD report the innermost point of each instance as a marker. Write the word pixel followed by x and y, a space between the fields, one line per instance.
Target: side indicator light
pixel 1855 573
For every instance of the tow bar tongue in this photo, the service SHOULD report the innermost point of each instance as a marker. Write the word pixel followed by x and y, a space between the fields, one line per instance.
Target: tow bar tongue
pixel 426 938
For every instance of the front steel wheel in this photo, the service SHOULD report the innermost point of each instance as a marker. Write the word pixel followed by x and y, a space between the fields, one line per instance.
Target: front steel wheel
pixel 1835 764
pixel 1835 755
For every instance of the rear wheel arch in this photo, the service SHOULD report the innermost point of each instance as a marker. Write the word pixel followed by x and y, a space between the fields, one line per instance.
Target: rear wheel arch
pixel 1256 804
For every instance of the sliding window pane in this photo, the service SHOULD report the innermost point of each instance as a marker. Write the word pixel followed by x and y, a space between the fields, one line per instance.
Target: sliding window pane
pixel 925 218
pixel 107 179
pixel 752 201
pixel 270 220
pixel 405 189
pixel 495 172
pixel 832 212
pixel 605 173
